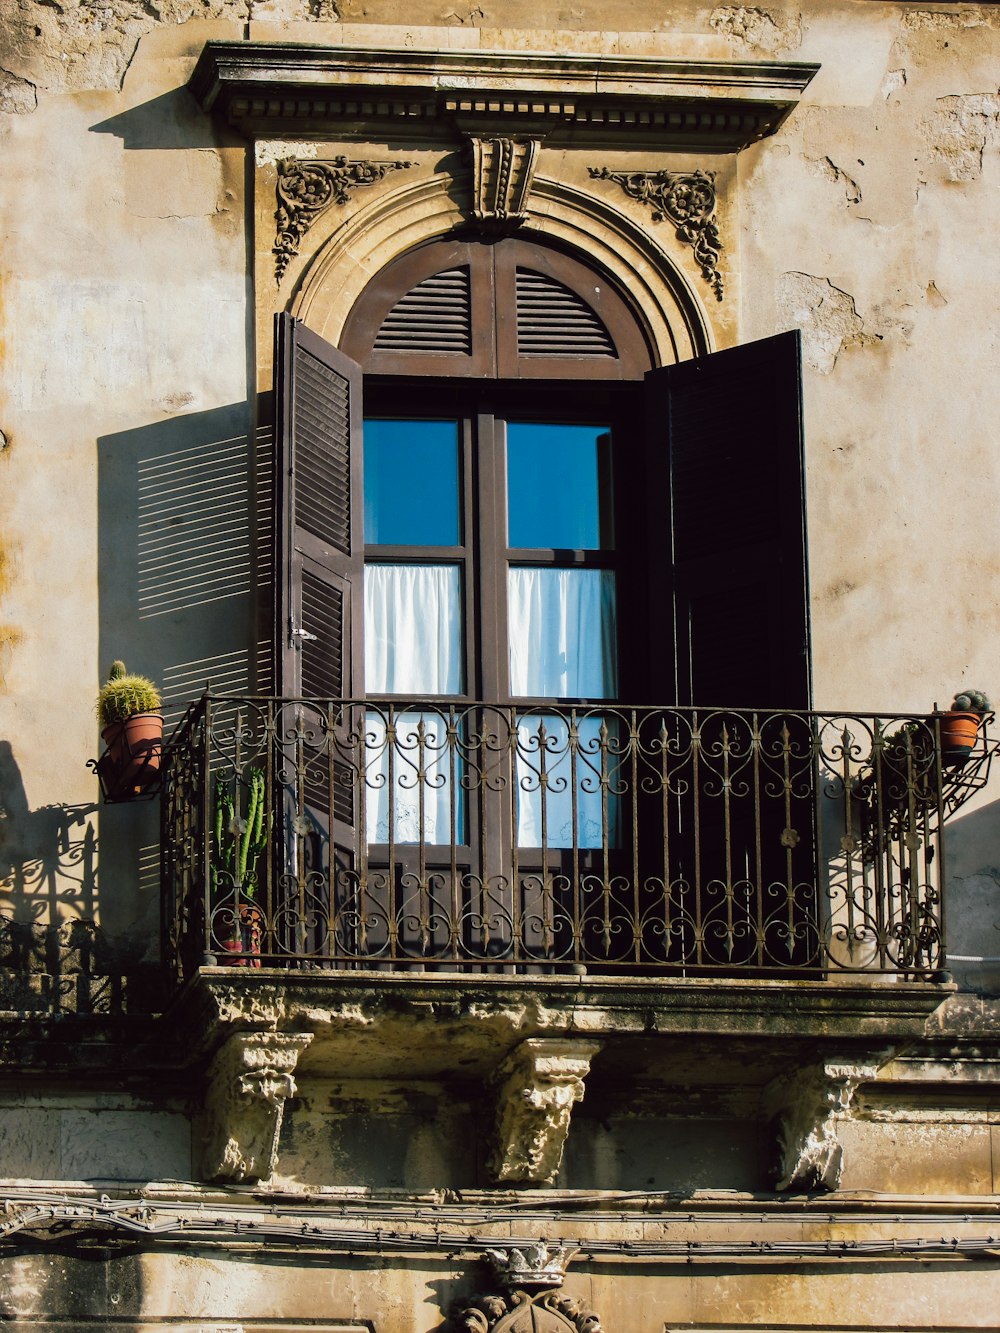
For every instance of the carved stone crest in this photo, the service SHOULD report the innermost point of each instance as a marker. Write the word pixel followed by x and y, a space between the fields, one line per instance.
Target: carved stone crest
pixel 305 189
pixel 687 199
pixel 529 1303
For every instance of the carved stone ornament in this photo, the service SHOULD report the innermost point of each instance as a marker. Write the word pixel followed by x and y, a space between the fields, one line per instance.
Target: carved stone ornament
pixel 529 1303
pixel 538 1086
pixel 305 189
pixel 531 1266
pixel 685 198
pixel 503 170
pixel 249 1081
pixel 807 1105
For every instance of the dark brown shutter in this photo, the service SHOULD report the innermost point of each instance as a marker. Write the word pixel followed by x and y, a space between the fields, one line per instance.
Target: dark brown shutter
pixel 433 316
pixel 553 320
pixel 318 636
pixel 727 442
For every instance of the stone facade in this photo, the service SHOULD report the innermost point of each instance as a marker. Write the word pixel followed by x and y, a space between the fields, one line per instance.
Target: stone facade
pixel 264 1148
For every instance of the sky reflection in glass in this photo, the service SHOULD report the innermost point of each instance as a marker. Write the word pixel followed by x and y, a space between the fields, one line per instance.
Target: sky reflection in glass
pixel 411 483
pixel 558 486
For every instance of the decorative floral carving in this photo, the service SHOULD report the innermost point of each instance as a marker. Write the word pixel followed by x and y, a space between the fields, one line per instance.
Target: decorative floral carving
pixel 306 189
pixel 687 199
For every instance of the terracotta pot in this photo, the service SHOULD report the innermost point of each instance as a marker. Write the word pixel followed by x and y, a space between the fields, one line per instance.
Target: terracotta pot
pixel 959 732
pixel 242 949
pixel 131 763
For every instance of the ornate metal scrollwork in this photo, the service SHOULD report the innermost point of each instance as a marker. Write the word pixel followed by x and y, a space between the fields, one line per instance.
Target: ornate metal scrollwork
pixel 687 199
pixel 304 190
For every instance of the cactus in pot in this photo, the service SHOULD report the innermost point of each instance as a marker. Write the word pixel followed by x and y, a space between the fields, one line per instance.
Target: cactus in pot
pixel 960 726
pixel 132 729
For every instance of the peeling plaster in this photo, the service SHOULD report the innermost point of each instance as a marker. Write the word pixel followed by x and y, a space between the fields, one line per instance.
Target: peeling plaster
pixel 935 20
pixel 827 317
pixel 893 82
pixel 761 30
pixel 960 130
pixel 87 45
pixel 827 168
pixel 17 96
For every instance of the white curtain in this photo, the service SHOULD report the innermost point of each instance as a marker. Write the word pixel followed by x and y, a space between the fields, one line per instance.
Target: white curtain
pixel 546 746
pixel 423 770
pixel 562 628
pixel 562 631
pixel 413 645
pixel 413 629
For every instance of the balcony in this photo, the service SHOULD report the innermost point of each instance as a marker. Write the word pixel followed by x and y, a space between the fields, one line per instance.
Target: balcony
pixel 613 841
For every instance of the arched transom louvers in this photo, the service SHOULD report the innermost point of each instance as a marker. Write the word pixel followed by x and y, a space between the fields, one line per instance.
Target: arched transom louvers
pixel 512 310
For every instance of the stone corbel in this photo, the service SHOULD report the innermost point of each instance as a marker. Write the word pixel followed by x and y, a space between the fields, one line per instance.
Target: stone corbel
pixel 806 1106
pixel 538 1085
pixel 249 1081
pixel 502 173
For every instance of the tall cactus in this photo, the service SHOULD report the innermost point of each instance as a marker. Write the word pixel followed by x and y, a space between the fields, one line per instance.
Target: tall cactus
pixel 239 838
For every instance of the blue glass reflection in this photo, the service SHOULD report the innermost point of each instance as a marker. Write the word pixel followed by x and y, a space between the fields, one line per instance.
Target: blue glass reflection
pixel 559 486
pixel 411 482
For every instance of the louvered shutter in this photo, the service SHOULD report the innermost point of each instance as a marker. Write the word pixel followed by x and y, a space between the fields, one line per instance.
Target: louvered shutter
pixel 553 320
pixel 434 316
pixel 728 428
pixel 318 630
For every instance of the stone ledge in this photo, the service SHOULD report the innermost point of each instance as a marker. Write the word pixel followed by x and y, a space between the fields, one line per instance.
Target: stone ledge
pixel 288 89
pixel 391 1023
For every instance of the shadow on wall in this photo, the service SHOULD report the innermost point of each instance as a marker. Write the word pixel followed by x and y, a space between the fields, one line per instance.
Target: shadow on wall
pixel 972 909
pixel 52 958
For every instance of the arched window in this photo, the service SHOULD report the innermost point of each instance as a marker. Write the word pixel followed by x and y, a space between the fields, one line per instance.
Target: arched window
pixel 524 528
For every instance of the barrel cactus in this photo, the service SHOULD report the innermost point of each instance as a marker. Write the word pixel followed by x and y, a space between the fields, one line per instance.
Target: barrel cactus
pixel 124 695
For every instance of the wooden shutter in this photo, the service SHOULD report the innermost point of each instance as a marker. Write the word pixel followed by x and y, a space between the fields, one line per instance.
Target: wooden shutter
pixel 318 629
pixel 434 316
pixel 553 320
pixel 726 441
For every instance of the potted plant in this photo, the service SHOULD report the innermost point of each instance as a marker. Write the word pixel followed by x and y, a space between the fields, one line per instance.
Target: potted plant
pixel 132 730
pixel 240 833
pixel 960 725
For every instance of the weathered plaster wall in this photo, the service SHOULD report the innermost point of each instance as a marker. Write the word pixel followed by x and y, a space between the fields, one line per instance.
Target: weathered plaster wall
pixel 125 321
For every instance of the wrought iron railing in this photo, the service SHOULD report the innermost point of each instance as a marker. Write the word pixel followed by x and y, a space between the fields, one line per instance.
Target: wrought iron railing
pixel 611 839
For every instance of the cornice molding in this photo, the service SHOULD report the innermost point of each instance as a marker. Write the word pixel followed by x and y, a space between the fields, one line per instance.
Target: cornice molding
pixel 288 90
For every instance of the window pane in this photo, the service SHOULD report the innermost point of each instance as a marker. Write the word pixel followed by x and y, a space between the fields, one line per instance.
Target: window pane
pixel 559 486
pixel 411 483
pixel 562 632
pixel 413 629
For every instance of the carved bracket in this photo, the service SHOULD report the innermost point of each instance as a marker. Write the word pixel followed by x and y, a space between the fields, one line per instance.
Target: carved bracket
pixel 304 190
pixel 527 1277
pixel 807 1106
pixel 687 199
pixel 503 170
pixel 539 1084
pixel 249 1081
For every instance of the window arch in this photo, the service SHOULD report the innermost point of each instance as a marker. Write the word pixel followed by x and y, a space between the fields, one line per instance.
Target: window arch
pixel 508 309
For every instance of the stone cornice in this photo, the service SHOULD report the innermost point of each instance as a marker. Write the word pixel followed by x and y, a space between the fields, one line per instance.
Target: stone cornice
pixel 290 90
